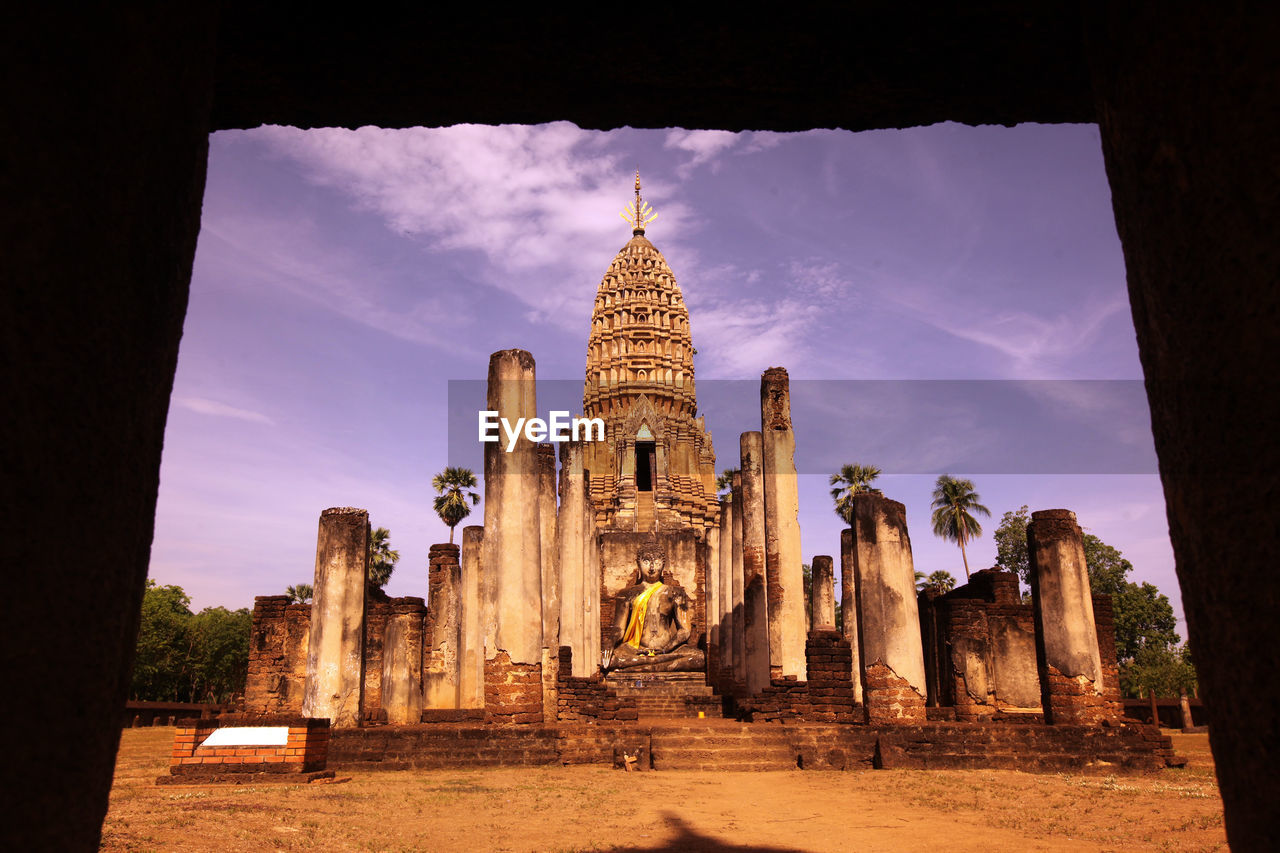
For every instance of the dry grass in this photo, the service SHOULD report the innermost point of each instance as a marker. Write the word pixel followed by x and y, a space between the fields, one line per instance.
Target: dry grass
pixel 589 808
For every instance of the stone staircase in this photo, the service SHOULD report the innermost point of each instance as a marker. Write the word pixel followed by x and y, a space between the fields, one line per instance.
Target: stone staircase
pixel 722 745
pixel 644 511
pixel 667 694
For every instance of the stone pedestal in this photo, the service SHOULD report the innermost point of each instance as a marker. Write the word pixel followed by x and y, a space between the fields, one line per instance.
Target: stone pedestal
pixel 755 583
pixel 1071 672
pixel 822 595
pixel 335 645
pixel 444 628
pixel 511 564
pixel 402 669
pixel 783 573
pixel 893 678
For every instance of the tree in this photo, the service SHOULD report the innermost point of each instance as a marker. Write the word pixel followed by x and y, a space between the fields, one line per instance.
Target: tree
pixel 1168 671
pixel 300 593
pixel 1144 620
pixel 452 487
pixel 1107 566
pixel 940 580
pixel 851 479
pixel 160 660
pixel 954 502
pixel 219 653
pixel 725 481
pixel 1011 543
pixel 382 560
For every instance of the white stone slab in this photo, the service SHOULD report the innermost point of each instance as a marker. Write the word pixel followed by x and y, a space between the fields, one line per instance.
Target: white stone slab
pixel 248 736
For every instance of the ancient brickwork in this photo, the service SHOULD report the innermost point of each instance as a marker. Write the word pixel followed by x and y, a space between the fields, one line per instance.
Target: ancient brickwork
pixel 442 636
pixel 587 699
pixel 512 691
pixel 305 750
pixel 1104 618
pixel 277 656
pixel 889 698
pixel 827 696
pixel 377 610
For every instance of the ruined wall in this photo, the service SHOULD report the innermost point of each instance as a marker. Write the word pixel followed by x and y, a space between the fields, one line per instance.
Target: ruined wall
pixel 587 698
pixel 827 697
pixel 277 656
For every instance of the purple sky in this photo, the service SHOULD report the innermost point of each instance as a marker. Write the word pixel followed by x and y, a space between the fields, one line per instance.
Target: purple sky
pixel 344 277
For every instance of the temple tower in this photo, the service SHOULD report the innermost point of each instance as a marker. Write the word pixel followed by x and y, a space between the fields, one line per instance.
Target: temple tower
pixel 656 468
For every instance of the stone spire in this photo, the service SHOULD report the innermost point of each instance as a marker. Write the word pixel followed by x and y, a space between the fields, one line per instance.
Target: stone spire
pixel 639 379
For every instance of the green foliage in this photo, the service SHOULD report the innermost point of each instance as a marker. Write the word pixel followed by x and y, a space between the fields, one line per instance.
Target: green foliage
pixel 1107 567
pixel 1144 621
pixel 1011 543
pixel 382 560
pixel 300 593
pixel 186 657
pixel 954 503
pixel 940 580
pixel 1166 670
pixel 453 487
pixel 725 481
pixel 849 481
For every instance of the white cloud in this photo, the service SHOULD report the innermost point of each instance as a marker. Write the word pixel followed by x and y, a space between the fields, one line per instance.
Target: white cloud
pixel 704 145
pixel 202 406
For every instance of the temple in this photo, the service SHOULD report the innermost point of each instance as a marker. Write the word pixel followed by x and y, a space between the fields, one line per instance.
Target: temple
pixel 612 597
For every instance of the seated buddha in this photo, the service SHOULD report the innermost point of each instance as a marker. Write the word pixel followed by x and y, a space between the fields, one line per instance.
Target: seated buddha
pixel 653 621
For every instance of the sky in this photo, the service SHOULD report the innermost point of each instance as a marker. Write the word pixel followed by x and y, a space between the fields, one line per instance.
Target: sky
pixel 343 278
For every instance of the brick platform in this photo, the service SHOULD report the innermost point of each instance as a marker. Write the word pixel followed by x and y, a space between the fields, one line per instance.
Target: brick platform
pixel 667 695
pixel 304 752
pixel 726 745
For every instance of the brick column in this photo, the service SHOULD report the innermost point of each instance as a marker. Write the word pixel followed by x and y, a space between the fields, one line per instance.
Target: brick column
pixel 471 640
pixel 822 593
pixel 441 685
pixel 1071 674
pixel 335 646
pixel 402 669
pixel 849 604
pixel 784 575
pixel 755 584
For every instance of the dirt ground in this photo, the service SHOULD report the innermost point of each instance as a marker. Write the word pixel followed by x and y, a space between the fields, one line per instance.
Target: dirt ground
pixel 595 808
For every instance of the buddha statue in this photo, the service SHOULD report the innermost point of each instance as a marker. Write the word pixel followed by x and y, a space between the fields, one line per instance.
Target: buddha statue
pixel 653 621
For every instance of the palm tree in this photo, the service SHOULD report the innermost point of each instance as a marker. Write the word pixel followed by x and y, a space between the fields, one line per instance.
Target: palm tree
pixel 954 502
pixel 382 560
pixel 451 487
pixel 941 580
pixel 852 479
pixel 300 594
pixel 725 480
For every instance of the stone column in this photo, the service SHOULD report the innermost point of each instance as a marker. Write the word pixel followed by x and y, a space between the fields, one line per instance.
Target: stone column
pixel 444 628
pixel 1071 683
pixel 849 605
pixel 570 532
pixel 335 645
pixel 550 553
pixel 822 593
pixel 784 573
pixel 726 592
pixel 893 679
pixel 755 583
pixel 402 672
pixel 712 603
pixel 471 646
pixel 591 583
pixel 739 588
pixel 511 571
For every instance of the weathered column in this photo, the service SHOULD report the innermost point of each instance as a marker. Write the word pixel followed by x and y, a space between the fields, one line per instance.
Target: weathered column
pixel 591 583
pixel 570 532
pixel 402 671
pixel 335 645
pixel 823 594
pixel 739 588
pixel 726 592
pixel 849 605
pixel 755 583
pixel 784 573
pixel 1071 682
pixel 441 684
pixel 893 680
pixel 550 553
pixel 1184 704
pixel 511 566
pixel 471 646
pixel 712 603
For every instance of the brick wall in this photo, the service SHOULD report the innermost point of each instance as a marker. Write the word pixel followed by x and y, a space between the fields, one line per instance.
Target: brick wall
pixel 277 656
pixel 512 691
pixel 826 697
pixel 306 749
pixel 588 699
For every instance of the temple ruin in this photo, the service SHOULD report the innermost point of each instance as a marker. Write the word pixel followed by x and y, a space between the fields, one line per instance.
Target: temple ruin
pixel 612 598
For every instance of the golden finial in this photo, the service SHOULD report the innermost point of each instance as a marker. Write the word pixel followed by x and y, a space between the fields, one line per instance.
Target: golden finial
pixel 638 214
